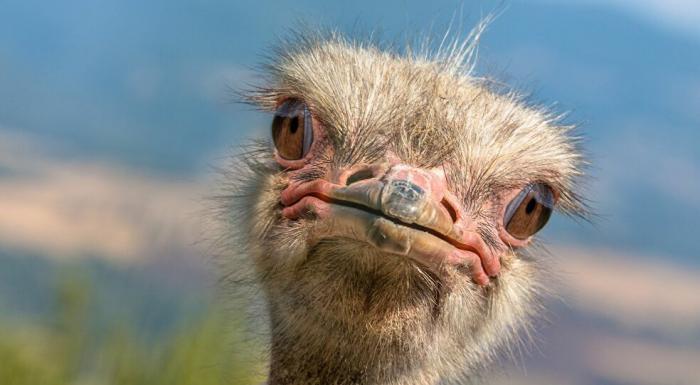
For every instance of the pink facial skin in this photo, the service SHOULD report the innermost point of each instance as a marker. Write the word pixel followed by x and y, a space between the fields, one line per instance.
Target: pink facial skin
pixel 445 235
pixel 459 237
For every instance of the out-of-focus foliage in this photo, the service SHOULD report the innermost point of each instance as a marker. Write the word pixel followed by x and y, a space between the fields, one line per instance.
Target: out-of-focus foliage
pixel 207 349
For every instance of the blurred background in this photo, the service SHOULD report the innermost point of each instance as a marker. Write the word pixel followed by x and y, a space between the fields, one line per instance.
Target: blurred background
pixel 113 114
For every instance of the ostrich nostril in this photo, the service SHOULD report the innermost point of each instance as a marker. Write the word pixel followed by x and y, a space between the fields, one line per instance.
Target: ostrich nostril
pixel 450 209
pixel 359 175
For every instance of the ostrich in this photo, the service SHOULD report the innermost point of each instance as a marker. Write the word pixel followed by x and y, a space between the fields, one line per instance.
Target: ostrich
pixel 389 219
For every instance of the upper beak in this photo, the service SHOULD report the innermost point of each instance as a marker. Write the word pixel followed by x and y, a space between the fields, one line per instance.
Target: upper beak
pixel 402 200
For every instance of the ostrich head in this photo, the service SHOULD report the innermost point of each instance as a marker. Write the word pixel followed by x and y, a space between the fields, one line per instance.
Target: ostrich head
pixel 389 215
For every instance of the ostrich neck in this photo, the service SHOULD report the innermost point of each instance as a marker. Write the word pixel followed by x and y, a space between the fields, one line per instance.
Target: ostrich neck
pixel 342 359
pixel 371 323
pixel 314 369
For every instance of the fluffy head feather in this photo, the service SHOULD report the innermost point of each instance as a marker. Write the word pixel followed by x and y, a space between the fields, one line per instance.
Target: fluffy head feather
pixel 344 312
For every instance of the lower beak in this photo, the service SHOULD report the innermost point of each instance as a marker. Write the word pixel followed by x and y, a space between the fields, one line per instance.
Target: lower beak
pixel 389 236
pixel 399 217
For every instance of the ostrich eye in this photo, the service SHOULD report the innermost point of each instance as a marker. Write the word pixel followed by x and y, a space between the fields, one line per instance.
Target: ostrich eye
pixel 529 211
pixel 292 129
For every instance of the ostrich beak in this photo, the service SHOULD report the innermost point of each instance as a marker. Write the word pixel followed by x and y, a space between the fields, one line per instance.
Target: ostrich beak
pixel 404 212
pixel 401 200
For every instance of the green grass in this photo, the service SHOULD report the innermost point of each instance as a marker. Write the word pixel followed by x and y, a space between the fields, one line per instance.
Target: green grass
pixel 205 348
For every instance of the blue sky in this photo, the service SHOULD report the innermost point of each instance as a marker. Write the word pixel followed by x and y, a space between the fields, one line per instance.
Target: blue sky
pixel 143 86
